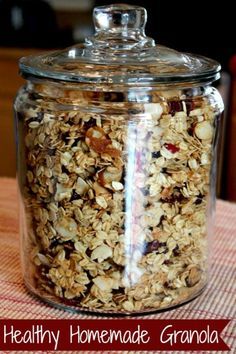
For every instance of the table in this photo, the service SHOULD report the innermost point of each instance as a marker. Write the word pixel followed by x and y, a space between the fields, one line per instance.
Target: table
pixel 217 302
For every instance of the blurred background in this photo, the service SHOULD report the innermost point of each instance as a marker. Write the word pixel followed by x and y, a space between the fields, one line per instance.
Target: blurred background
pixel 203 27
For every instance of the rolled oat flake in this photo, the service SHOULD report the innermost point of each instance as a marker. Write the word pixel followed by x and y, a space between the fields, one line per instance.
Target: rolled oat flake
pixel 116 141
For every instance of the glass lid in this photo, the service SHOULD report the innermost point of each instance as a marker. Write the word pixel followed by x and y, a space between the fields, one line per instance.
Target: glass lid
pixel 120 53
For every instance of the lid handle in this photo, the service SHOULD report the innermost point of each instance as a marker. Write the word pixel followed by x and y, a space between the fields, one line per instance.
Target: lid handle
pixel 119 17
pixel 120 26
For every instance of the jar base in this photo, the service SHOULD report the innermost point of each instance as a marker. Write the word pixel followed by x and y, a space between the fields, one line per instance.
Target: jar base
pixel 59 304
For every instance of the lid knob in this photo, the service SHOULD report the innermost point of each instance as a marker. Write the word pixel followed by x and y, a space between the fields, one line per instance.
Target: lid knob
pixel 119 18
pixel 120 26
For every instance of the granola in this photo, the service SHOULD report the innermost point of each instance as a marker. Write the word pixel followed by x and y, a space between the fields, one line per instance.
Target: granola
pixel 116 201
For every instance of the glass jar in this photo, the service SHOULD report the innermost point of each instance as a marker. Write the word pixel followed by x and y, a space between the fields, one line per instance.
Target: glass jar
pixel 116 167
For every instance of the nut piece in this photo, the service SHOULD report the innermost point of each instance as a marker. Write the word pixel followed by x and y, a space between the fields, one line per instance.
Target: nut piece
pixel 103 283
pixel 193 277
pixel 62 192
pixel 97 140
pixel 101 201
pixel 81 186
pixel 204 130
pixel 117 186
pixel 66 228
pixel 101 253
pixel 128 306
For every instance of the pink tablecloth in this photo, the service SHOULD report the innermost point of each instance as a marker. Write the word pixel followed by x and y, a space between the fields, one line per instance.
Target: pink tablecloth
pixel 217 302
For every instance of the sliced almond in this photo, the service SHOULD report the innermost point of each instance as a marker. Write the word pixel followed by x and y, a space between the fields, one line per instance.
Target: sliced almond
pixel 117 186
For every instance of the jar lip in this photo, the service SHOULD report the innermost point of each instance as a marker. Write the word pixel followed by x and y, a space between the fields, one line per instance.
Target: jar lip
pixel 121 53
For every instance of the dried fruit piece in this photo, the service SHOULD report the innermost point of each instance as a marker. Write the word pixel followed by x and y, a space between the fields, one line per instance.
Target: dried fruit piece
pixel 156 154
pixel 175 106
pixel 152 246
pixel 172 148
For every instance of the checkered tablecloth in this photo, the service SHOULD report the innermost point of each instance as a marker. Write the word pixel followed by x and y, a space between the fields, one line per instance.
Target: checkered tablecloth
pixel 217 302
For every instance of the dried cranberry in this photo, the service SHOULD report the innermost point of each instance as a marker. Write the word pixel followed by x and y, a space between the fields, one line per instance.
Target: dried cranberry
pixel 191 129
pixel 152 246
pixel 176 251
pixel 167 262
pixel 189 106
pixel 172 148
pixel 168 285
pixel 156 154
pixel 175 106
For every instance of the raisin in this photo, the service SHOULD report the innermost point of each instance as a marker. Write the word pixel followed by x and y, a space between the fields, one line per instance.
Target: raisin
pixel 74 196
pixel 199 199
pixel 51 152
pixel 145 191
pixel 75 142
pixel 54 243
pixel 176 251
pixel 64 137
pixel 167 262
pixel 156 154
